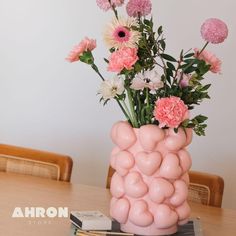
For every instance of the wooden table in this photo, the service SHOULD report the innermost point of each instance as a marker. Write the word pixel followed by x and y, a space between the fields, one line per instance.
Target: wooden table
pixel 25 191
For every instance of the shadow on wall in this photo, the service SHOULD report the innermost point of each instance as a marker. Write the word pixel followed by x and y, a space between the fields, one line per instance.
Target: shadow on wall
pixel 91 162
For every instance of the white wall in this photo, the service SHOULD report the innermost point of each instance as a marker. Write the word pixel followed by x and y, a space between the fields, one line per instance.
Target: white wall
pixel 47 103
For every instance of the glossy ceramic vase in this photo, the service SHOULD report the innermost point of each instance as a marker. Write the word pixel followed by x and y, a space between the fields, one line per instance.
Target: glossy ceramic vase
pixel 150 185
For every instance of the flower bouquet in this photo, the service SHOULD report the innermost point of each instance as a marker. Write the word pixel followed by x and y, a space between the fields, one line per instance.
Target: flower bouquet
pixel 150 86
pixel 155 91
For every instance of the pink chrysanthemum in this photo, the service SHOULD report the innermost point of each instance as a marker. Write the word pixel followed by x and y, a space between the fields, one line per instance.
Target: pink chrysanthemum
pixel 210 59
pixel 214 31
pixel 139 7
pixel 123 58
pixel 85 45
pixel 105 5
pixel 170 112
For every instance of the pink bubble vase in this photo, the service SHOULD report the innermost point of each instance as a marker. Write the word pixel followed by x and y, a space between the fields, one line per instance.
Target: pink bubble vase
pixel 150 185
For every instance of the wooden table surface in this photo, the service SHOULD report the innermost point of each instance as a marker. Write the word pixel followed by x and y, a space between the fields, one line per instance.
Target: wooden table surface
pixel 23 191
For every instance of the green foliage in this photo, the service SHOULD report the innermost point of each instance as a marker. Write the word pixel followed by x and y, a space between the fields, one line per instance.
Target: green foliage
pixel 197 124
pixel 168 57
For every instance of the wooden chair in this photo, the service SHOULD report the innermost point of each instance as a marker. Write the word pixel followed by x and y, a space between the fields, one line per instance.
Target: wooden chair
pixel 111 171
pixel 204 188
pixel 35 162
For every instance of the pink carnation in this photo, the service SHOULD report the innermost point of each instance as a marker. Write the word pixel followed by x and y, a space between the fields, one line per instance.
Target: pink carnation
pixel 170 112
pixel 85 45
pixel 122 58
pixel 214 31
pixel 210 59
pixel 139 7
pixel 105 5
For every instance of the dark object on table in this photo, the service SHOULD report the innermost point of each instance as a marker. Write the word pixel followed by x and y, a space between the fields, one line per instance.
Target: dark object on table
pixel 192 228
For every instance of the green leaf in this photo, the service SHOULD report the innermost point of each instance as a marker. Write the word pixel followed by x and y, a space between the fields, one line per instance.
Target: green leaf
pixel 203 67
pixel 191 61
pixel 206 87
pixel 188 55
pixel 201 118
pixel 106 60
pixel 163 44
pixel 176 130
pixel 146 22
pixel 169 72
pixel 160 30
pixel 137 67
pixel 151 22
pixel 155 50
pixel 189 70
pixel 168 57
pixel 185 123
pixel 170 65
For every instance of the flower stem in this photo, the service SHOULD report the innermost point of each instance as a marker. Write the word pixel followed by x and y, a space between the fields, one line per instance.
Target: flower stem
pixel 139 108
pixel 97 71
pixel 124 110
pixel 147 97
pixel 198 54
pixel 164 68
pixel 203 48
pixel 148 106
pixel 114 9
pixel 127 111
pixel 115 12
pixel 134 123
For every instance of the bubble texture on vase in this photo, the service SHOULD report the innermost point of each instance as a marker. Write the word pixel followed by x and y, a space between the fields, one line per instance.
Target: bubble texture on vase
pixel 150 185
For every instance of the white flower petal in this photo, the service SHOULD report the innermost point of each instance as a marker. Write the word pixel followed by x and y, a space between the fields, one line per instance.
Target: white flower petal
pixel 128 23
pixel 148 79
pixel 112 87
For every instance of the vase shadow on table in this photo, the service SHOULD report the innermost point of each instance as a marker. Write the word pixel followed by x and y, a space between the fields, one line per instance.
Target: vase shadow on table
pixel 192 228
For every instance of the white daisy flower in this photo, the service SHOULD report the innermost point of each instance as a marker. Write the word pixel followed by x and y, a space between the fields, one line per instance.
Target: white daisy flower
pixel 148 79
pixel 111 87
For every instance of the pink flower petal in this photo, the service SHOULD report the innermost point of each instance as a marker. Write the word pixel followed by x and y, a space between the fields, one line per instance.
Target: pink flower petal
pixel 170 111
pixel 214 30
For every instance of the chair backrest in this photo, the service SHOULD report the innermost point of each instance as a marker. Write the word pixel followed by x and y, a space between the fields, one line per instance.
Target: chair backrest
pixel 35 162
pixel 204 188
pixel 111 171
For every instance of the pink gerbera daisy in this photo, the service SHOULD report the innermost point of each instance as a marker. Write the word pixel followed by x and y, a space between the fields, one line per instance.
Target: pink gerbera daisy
pixel 120 33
